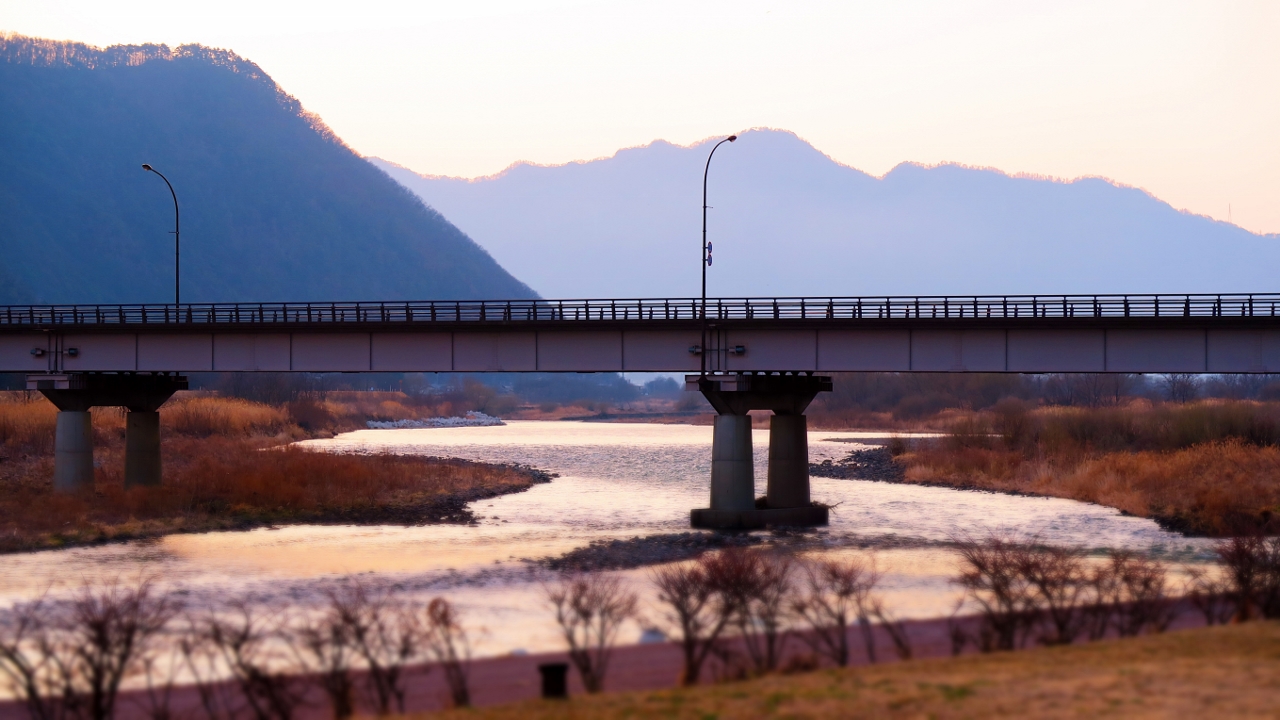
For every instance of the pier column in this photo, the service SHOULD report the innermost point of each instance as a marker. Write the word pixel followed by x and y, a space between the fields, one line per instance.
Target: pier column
pixel 142 448
pixel 733 474
pixel 73 451
pixel 788 462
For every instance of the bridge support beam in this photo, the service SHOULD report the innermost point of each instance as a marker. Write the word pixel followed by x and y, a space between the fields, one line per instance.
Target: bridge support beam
pixel 733 502
pixel 74 393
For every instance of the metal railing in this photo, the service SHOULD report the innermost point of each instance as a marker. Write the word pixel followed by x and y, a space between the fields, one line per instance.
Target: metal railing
pixel 586 311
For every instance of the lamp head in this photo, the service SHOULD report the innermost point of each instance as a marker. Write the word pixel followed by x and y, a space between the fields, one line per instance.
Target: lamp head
pixel 732 138
pixel 147 167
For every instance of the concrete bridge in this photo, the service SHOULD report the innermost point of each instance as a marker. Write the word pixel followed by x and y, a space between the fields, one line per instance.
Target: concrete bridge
pixel 1024 334
pixel 748 353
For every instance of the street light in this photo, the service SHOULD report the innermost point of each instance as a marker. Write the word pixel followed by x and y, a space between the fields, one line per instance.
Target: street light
pixel 177 244
pixel 706 249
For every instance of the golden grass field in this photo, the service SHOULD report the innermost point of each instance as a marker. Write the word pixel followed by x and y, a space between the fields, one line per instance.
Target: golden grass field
pixel 1218 672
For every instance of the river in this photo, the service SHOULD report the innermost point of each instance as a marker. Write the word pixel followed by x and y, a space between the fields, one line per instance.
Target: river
pixel 616 481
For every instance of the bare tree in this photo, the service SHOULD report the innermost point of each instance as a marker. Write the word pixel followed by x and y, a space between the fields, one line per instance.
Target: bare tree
pixel 68 658
pixel 247 642
pixel 384 632
pixel 1210 595
pixel 755 590
pixel 1252 564
pixel 326 648
pixel 1102 596
pixel 694 610
pixel 590 609
pixel 26 659
pixel 447 641
pixel 991 574
pixel 1145 604
pixel 834 595
pixel 1058 577
pixel 1181 387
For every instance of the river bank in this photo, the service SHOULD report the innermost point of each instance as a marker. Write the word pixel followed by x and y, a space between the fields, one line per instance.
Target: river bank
pixel 229 465
pixel 1205 469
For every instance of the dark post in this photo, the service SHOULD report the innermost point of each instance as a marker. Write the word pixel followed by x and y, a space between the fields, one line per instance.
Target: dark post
pixel 177 244
pixel 706 256
pixel 555 683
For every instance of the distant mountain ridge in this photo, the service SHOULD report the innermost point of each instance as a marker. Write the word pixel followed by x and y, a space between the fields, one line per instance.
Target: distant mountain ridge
pixel 274 205
pixel 788 220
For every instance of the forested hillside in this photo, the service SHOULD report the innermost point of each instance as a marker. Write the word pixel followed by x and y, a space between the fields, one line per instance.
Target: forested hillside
pixel 274 206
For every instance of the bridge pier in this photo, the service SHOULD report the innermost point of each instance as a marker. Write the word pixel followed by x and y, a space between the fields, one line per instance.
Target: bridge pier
pixel 74 393
pixel 733 502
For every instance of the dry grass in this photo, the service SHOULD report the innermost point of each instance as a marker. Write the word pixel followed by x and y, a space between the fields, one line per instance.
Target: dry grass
pixel 1231 671
pixel 224 468
pixel 1209 468
pixel 203 416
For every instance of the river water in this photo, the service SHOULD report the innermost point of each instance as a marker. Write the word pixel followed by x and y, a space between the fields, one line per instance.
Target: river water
pixel 617 481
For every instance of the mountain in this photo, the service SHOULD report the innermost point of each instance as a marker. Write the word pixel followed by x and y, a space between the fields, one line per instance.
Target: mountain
pixel 788 220
pixel 274 206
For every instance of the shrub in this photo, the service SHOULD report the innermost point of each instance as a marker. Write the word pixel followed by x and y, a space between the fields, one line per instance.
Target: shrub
pixel 590 610
pixel 835 594
pixel 447 642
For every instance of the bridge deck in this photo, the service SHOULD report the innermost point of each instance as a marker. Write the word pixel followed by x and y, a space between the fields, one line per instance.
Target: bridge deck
pixel 453 312
pixel 1062 333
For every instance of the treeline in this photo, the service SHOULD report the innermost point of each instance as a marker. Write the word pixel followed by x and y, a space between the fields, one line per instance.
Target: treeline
pixel 744 611
pixel 491 393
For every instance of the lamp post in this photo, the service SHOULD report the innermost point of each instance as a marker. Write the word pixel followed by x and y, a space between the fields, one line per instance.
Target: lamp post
pixel 706 249
pixel 177 244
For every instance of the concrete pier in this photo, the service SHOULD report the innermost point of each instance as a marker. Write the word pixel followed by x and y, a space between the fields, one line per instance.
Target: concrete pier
pixel 142 448
pixel 73 452
pixel 786 501
pixel 74 393
pixel 788 485
pixel 733 474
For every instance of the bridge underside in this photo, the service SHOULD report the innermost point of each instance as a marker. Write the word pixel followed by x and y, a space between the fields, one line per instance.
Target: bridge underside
pixel 1123 348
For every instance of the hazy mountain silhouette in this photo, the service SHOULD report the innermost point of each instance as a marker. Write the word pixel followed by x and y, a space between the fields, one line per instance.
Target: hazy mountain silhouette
pixel 274 207
pixel 787 220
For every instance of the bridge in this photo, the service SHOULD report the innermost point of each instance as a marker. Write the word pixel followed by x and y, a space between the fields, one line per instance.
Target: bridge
pixel 747 353
pixel 1017 334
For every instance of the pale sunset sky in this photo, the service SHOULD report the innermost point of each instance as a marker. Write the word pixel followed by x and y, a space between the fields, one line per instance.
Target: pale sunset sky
pixel 1179 98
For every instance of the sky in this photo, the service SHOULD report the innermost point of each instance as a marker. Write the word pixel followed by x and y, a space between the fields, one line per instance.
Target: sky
pixel 1179 98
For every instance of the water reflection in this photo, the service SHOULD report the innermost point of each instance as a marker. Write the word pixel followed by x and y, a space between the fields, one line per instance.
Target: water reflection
pixel 617 480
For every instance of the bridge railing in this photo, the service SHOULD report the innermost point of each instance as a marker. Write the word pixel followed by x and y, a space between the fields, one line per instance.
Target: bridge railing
pixel 586 311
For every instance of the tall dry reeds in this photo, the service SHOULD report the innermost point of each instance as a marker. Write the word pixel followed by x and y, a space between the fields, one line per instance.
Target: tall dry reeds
pixel 216 483
pixel 1211 467
pixel 203 416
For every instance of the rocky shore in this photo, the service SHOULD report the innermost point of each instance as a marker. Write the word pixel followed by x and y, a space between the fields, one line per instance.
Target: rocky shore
pixel 876 464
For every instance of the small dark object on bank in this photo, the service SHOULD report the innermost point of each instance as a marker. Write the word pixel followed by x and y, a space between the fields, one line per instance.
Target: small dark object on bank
pixel 555 683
